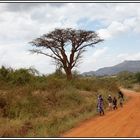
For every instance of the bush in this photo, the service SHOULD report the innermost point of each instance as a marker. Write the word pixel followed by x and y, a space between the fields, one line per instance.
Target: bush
pixel 50 103
pixel 21 76
pixel 23 103
pixel 5 73
pixel 83 84
pixel 126 79
pixel 138 77
pixel 17 77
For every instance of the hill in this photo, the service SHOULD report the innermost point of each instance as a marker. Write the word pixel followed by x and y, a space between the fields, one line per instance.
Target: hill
pixel 130 66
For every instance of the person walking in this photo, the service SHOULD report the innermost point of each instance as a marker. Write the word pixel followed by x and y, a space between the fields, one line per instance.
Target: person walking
pixel 121 98
pixel 110 102
pixel 114 103
pixel 100 105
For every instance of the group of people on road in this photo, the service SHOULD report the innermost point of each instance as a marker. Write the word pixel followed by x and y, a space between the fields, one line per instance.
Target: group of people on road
pixel 112 102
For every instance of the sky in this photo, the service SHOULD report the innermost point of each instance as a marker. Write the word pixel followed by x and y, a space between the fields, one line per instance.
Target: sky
pixel 117 23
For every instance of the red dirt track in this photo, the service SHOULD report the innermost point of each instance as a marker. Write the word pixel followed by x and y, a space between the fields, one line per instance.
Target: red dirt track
pixel 124 122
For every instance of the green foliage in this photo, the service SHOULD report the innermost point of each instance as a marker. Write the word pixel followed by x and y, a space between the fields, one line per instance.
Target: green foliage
pixel 5 73
pixel 21 77
pixel 58 74
pixel 95 84
pixel 17 77
pixel 126 79
pixel 50 103
pixel 138 77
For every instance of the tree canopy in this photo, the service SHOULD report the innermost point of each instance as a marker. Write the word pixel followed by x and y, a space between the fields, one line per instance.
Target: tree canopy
pixel 65 46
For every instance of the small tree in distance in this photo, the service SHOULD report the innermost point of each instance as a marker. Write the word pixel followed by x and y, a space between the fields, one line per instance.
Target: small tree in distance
pixel 65 46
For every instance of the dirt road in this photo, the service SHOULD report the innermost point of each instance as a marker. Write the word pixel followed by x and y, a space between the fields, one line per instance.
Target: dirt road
pixel 125 122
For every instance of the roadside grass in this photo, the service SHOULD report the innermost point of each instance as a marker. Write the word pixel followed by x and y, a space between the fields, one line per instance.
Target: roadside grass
pixel 47 106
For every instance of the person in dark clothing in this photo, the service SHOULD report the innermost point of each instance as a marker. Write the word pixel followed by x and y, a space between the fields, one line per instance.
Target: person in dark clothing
pixel 114 103
pixel 121 98
pixel 121 95
pixel 109 102
pixel 100 105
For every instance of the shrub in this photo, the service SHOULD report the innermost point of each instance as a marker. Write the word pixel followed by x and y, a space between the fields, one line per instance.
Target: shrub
pixel 21 76
pixel 22 103
pixel 138 77
pixel 126 79
pixel 50 103
pixel 5 73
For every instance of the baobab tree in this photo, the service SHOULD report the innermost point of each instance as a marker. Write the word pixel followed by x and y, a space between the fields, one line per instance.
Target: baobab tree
pixel 65 46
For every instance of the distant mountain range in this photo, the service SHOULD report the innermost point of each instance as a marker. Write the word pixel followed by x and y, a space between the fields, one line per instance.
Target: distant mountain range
pixel 130 66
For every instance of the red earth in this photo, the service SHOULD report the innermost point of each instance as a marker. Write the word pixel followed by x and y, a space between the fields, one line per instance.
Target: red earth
pixel 124 122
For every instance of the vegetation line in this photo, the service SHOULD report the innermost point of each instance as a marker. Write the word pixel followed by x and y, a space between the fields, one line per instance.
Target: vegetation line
pixel 42 106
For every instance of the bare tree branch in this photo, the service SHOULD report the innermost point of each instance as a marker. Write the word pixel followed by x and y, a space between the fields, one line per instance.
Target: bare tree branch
pixel 40 52
pixel 90 44
pixel 60 41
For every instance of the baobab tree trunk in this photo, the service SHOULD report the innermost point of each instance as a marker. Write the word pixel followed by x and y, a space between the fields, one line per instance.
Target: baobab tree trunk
pixel 68 74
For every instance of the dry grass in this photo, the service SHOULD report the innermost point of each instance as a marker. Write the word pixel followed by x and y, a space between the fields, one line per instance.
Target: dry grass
pixel 48 106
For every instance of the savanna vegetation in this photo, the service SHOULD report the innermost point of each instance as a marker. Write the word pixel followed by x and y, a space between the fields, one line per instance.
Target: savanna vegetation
pixel 34 105
pixel 128 80
pixel 40 106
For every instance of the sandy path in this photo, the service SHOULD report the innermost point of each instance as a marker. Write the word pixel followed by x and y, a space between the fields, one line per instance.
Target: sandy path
pixel 125 122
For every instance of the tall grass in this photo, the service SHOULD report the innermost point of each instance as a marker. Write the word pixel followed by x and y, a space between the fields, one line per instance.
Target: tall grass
pixel 37 106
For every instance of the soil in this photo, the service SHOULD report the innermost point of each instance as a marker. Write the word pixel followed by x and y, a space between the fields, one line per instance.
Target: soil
pixel 123 122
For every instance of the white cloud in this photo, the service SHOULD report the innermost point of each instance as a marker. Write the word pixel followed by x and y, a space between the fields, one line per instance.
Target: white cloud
pixel 91 61
pixel 98 53
pixel 128 56
pixel 20 23
pixel 12 56
pixel 117 28
pixel 41 18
